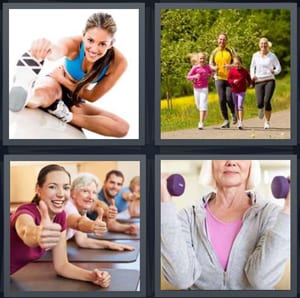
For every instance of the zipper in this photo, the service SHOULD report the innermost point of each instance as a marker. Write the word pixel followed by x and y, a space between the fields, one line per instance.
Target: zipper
pixel 224 279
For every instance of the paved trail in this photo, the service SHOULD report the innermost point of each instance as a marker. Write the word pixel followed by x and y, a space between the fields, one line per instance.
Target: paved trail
pixel 280 129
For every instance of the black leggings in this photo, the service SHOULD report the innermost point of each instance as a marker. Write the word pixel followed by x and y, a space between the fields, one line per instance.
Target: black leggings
pixel 225 97
pixel 264 92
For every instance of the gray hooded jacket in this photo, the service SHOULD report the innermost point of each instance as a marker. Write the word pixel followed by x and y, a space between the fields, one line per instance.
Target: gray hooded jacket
pixel 257 258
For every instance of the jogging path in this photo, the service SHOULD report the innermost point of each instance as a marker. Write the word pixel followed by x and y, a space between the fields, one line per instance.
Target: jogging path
pixel 280 129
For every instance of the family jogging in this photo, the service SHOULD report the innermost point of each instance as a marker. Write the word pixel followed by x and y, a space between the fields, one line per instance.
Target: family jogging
pixel 232 80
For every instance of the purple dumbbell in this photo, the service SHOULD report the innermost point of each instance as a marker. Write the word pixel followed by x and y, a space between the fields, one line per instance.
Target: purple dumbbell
pixel 175 185
pixel 280 187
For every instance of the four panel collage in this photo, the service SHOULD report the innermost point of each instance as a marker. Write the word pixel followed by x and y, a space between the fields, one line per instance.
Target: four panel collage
pixel 118 121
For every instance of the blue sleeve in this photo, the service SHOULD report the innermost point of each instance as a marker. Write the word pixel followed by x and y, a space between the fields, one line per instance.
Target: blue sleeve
pixel 121 204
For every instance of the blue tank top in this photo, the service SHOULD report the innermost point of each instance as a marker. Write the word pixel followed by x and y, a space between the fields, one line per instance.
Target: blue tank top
pixel 74 67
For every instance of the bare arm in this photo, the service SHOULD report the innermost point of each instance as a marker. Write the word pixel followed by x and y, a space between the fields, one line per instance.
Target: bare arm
pixel 82 240
pixel 131 196
pixel 85 225
pixel 43 48
pixel 64 268
pixel 115 226
pixel 46 235
pixel 110 212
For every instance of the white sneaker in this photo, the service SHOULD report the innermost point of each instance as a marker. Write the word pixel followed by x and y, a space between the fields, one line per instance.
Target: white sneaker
pixel 61 111
pixel 200 125
pixel 261 113
pixel 225 124
pixel 267 125
pixel 240 124
pixel 27 70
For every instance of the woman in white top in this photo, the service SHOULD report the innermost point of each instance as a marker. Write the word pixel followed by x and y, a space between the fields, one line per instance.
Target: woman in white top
pixel 264 66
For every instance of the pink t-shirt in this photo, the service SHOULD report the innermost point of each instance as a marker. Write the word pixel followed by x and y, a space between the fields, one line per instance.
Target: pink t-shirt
pixel 205 73
pixel 221 235
pixel 20 253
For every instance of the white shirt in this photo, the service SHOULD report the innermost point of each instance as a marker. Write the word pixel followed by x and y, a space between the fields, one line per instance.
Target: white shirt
pixel 70 208
pixel 261 66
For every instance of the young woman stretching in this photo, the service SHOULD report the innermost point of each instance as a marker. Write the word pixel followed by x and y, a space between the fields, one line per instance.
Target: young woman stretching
pixel 91 68
pixel 41 225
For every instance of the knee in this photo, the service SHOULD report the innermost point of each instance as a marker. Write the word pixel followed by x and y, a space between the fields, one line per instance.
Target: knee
pixel 45 96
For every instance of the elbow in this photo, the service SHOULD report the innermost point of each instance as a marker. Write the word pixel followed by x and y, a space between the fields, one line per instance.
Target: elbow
pixel 120 129
pixel 178 281
pixel 260 282
pixel 59 269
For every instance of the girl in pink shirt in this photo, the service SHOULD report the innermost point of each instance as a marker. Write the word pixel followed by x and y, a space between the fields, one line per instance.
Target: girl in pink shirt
pixel 199 75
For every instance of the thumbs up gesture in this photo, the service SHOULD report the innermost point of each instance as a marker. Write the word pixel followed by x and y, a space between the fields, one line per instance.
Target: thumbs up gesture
pixel 112 210
pixel 99 227
pixel 48 232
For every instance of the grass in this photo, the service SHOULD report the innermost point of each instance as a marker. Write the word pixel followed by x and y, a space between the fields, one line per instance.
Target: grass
pixel 183 114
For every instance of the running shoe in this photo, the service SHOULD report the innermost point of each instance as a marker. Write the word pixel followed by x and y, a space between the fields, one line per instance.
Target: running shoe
pixel 27 70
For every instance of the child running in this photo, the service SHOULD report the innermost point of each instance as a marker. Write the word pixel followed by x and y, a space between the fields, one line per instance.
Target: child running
pixel 199 74
pixel 239 79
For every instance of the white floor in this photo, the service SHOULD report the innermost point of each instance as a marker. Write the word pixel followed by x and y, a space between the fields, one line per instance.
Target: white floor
pixel 37 124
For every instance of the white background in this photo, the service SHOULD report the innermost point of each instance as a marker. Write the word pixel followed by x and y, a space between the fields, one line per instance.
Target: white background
pixel 25 25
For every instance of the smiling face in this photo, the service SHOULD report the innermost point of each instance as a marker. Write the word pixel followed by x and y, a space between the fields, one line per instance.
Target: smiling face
pixel 222 39
pixel 264 45
pixel 112 186
pixel 85 196
pixel 96 43
pixel 55 191
pixel 231 173
pixel 202 59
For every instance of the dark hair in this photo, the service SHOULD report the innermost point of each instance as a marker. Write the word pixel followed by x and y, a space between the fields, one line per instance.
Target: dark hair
pixel 43 175
pixel 114 172
pixel 105 22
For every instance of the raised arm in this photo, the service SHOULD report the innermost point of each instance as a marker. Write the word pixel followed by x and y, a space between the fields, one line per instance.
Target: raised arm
pixel 46 235
pixel 43 48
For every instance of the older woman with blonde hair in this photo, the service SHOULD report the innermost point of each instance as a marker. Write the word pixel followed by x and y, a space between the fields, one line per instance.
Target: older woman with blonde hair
pixel 231 239
pixel 263 68
pixel 84 190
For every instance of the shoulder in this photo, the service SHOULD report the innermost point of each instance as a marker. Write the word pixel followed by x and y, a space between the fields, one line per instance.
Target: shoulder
pixel 119 58
pixel 213 52
pixel 101 195
pixel 256 54
pixel 70 207
pixel 230 49
pixel 28 209
pixel 272 54
pixel 71 45
pixel 118 64
pixel 267 208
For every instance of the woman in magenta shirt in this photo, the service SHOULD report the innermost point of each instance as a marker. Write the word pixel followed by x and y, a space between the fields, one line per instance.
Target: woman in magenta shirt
pixel 41 225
